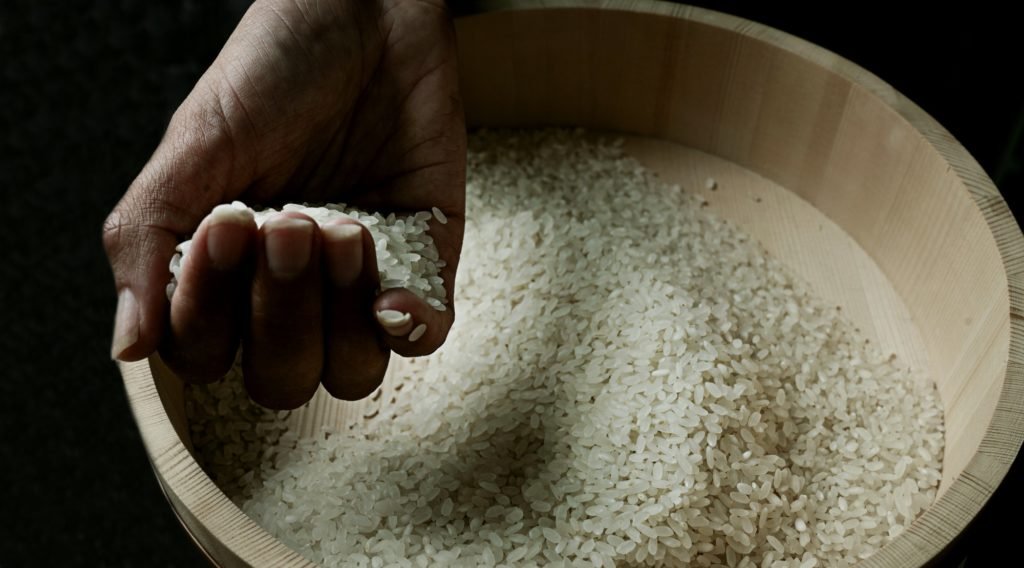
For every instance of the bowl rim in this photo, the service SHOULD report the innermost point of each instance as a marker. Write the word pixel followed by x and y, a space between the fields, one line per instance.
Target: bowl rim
pixel 189 489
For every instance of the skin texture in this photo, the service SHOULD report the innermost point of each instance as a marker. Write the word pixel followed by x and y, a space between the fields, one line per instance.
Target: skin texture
pixel 331 101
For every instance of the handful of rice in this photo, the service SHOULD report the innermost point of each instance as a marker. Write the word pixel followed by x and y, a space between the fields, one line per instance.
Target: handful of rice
pixel 406 254
pixel 632 381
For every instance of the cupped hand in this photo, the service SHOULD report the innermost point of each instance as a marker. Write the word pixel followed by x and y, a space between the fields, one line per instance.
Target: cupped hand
pixel 351 101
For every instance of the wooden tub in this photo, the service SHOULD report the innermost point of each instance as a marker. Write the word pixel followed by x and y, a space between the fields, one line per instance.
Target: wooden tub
pixel 850 184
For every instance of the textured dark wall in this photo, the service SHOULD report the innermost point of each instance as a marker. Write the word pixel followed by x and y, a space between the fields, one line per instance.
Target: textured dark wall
pixel 86 89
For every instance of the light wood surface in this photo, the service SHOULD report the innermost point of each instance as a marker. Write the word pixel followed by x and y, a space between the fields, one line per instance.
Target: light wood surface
pixel 852 186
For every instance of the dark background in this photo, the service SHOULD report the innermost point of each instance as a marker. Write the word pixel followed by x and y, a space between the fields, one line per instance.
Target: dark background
pixel 86 89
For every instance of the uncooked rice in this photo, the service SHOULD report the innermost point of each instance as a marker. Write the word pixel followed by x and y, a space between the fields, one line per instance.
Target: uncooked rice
pixel 632 381
pixel 406 254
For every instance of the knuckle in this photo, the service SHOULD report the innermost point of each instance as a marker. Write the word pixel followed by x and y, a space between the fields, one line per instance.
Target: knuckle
pixel 113 225
pixel 280 395
pixel 352 390
pixel 195 356
pixel 419 349
pixel 280 401
pixel 353 374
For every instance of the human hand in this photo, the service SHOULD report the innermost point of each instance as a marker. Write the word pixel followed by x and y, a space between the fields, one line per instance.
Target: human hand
pixel 342 100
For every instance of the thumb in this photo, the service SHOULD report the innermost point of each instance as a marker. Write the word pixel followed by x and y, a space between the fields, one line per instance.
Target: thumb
pixel 164 205
pixel 139 253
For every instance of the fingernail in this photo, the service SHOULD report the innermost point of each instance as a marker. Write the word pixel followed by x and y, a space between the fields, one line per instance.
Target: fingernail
pixel 418 332
pixel 394 322
pixel 288 243
pixel 126 323
pixel 226 236
pixel 345 249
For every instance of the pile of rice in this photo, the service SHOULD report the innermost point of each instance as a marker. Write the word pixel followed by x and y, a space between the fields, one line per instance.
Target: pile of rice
pixel 631 381
pixel 406 254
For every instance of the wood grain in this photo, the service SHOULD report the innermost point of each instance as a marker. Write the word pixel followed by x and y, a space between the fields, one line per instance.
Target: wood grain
pixel 861 194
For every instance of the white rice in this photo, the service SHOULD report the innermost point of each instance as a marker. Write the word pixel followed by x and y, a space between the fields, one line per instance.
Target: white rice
pixel 631 381
pixel 418 332
pixel 406 254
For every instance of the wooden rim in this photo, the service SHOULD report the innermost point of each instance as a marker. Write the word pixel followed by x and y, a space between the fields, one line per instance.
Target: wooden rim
pixel 238 541
pixel 184 526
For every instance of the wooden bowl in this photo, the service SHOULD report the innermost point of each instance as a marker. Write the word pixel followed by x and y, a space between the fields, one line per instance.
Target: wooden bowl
pixel 850 184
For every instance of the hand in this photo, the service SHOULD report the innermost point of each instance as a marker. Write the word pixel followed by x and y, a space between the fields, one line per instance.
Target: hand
pixel 351 101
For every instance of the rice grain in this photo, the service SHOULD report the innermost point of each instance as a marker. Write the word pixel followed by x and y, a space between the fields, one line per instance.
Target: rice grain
pixel 631 381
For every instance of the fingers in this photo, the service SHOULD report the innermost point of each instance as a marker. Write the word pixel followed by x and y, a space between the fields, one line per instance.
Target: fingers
pixel 410 326
pixel 282 354
pixel 361 330
pixel 357 356
pixel 210 303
